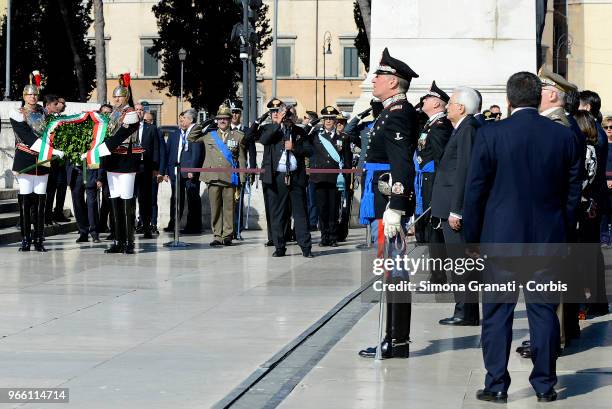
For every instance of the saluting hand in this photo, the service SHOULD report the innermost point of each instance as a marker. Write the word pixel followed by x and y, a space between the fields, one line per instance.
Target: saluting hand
pixel 609 184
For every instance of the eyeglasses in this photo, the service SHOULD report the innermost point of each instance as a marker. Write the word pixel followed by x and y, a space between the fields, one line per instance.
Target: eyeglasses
pixel 608 128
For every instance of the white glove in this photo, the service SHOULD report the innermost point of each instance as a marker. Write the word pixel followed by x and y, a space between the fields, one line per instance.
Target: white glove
pixel 131 117
pixel 58 153
pixel 392 222
pixel 84 156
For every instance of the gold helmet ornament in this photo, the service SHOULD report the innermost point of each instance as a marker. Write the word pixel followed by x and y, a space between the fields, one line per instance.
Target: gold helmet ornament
pixel 224 112
pixel 35 85
pixel 123 89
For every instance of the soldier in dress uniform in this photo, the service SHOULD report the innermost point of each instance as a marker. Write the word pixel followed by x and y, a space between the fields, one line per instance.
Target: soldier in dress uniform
pixel 329 153
pixel 121 154
pixel 28 124
pixel 346 197
pixel 224 148
pixel 433 139
pixel 391 146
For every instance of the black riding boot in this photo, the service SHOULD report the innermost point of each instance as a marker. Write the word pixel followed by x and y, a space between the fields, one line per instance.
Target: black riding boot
pixel 118 219
pixel 25 223
pixel 39 223
pixel 129 222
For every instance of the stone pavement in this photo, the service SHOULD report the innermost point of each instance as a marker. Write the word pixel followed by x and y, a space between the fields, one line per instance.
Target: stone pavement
pixel 161 329
pixel 184 328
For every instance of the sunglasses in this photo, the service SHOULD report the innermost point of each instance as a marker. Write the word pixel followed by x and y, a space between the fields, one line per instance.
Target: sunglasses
pixel 608 128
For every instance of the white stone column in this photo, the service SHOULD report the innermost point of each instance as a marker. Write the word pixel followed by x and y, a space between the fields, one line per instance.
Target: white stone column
pixel 455 42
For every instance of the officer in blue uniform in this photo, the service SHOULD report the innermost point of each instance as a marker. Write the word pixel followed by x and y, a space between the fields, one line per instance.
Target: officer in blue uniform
pixel 392 143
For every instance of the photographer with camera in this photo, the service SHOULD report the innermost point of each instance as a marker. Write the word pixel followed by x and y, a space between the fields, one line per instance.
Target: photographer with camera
pixel 285 148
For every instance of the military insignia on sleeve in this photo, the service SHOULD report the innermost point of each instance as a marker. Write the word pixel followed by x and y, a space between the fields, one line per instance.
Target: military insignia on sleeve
pixel 395 108
pixel 397 189
pixel 398 137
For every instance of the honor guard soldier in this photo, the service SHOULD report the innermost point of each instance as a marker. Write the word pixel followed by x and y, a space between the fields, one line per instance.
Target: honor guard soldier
pixel 224 148
pixel 392 144
pixel 285 148
pixel 28 124
pixel 346 197
pixel 430 147
pixel 328 153
pixel 122 152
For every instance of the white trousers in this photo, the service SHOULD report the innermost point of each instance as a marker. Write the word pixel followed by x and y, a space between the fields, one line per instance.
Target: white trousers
pixel 121 184
pixel 32 184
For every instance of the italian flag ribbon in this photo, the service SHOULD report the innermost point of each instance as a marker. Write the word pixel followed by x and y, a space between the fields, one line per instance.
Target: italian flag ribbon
pixel 99 133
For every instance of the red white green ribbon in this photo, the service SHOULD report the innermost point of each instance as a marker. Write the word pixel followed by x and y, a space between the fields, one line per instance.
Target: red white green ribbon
pixel 99 133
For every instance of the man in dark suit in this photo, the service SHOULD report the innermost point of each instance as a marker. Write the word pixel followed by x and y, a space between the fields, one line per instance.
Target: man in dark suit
pixel 163 158
pixel 523 187
pixel 285 147
pixel 85 211
pixel 189 155
pixel 447 197
pixel 148 135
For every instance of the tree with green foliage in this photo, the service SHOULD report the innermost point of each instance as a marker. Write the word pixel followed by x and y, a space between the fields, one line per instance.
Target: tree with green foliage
pixel 49 36
pixel 212 67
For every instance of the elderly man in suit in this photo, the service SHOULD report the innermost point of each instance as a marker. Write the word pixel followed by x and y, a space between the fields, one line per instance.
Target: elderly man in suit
pixel 188 155
pixel 223 148
pixel 148 135
pixel 447 197
pixel 523 187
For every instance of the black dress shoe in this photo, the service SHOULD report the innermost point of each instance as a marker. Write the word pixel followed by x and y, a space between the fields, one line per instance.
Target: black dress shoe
pixel 83 238
pixel 307 253
pixel 60 218
pixel 147 235
pixel 549 396
pixel 110 237
pixel 215 243
pixel 388 350
pixel 323 243
pixel 333 244
pixel 269 243
pixel 488 396
pixel 169 229
pixel 228 242
pixel 526 352
pixel 459 322
pixel 129 248
pixel 279 253
pixel 96 239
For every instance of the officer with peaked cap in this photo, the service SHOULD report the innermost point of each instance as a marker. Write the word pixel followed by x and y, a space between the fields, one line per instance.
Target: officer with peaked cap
pixel 346 196
pixel 328 154
pixel 223 148
pixel 392 144
pixel 430 147
pixel 554 88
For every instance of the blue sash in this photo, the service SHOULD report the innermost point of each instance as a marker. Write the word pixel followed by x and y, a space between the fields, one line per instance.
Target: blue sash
pixel 366 209
pixel 235 180
pixel 333 153
pixel 418 182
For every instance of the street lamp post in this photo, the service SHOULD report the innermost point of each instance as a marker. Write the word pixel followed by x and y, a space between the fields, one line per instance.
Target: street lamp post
pixel 182 54
pixel 326 40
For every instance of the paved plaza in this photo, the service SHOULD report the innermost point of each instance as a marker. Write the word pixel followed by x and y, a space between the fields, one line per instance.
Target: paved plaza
pixel 194 328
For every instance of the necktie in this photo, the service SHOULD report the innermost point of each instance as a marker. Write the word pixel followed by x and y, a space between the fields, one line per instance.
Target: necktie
pixel 184 139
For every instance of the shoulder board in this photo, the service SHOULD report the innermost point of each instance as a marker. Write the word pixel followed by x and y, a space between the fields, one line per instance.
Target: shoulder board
pixel 16 115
